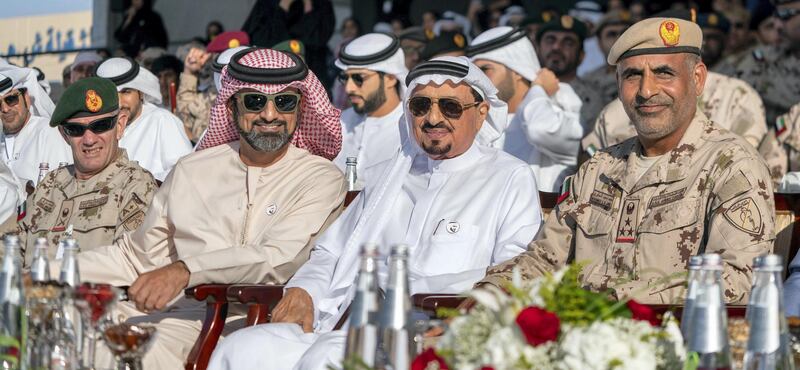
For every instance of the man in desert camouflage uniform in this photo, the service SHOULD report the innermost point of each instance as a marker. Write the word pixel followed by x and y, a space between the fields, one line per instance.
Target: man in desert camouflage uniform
pixel 775 71
pixel 636 212
pixel 102 195
pixel 602 82
pixel 788 130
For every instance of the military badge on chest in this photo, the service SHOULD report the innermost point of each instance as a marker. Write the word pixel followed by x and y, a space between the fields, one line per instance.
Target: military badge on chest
pixel 64 215
pixel 626 232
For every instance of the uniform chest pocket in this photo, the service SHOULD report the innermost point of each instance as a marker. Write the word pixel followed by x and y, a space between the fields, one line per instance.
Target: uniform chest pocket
pixel 89 219
pixel 670 217
pixel 451 249
pixel 593 222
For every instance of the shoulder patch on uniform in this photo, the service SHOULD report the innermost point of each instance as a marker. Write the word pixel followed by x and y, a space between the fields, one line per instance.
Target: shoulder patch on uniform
pixel 46 204
pixel 745 216
pixel 133 205
pixel 736 185
pixel 780 126
pixel 133 222
pixel 566 189
pixel 667 198
pixel 91 203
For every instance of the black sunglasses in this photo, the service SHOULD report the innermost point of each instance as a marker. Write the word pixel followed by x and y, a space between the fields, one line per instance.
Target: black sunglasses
pixel 786 14
pixel 13 99
pixel 450 108
pixel 99 126
pixel 255 102
pixel 358 78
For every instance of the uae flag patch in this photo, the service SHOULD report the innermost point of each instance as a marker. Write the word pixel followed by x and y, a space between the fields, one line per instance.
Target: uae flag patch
pixel 565 190
pixel 780 126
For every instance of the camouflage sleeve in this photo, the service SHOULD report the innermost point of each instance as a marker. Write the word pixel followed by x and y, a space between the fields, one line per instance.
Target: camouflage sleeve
pixel 193 107
pixel 740 223
pixel 552 248
pixel 749 116
pixel 775 157
pixel 139 192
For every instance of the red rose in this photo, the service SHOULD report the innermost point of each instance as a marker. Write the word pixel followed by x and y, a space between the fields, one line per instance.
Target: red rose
pixel 427 357
pixel 487 368
pixel 538 326
pixel 643 313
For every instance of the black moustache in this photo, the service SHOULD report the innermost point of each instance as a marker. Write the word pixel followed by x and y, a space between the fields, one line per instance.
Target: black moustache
pixel 429 126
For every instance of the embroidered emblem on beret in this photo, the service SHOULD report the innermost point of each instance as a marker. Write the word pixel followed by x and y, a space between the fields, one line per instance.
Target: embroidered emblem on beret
pixel 295 46
pixel 458 40
pixel 93 101
pixel 670 33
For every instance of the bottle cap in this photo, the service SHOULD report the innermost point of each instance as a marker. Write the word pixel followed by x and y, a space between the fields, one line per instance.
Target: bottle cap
pixel 399 251
pixel 10 239
pixel 41 242
pixel 712 261
pixel 695 262
pixel 369 250
pixel 768 262
pixel 351 160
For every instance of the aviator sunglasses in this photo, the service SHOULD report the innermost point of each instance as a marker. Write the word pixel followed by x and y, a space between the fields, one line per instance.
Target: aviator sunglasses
pixel 450 108
pixel 13 99
pixel 255 102
pixel 98 126
pixel 358 78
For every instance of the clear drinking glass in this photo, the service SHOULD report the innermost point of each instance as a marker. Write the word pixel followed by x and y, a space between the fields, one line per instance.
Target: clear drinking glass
pixel 129 343
pixel 94 301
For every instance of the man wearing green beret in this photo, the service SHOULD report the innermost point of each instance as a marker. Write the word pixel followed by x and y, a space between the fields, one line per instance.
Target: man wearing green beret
pixel 637 211
pixel 102 195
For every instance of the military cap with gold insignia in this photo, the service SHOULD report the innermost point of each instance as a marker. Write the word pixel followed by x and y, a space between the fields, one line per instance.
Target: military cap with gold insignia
pixel 657 35
pixel 615 17
pixel 293 46
pixel 564 23
pixel 227 40
pixel 446 42
pixel 714 20
pixel 539 17
pixel 92 96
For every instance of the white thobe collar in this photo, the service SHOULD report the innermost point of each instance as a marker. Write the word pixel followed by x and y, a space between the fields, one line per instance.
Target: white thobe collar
pixel 455 164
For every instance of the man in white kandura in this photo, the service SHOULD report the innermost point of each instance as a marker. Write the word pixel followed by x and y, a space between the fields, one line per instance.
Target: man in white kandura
pixel 154 137
pixel 457 204
pixel 27 138
pixel 373 72
pixel 544 128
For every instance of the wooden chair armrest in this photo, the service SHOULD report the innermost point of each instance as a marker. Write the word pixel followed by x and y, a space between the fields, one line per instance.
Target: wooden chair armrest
pixel 259 298
pixel 677 310
pixel 216 298
pixel 432 302
pixel 213 292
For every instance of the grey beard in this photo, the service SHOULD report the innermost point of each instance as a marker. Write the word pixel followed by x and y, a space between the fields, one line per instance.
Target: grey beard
pixel 265 142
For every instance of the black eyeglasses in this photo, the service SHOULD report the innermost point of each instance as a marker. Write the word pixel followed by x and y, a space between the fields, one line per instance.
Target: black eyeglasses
pixel 358 78
pixel 99 126
pixel 450 108
pixel 255 102
pixel 13 99
pixel 786 14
